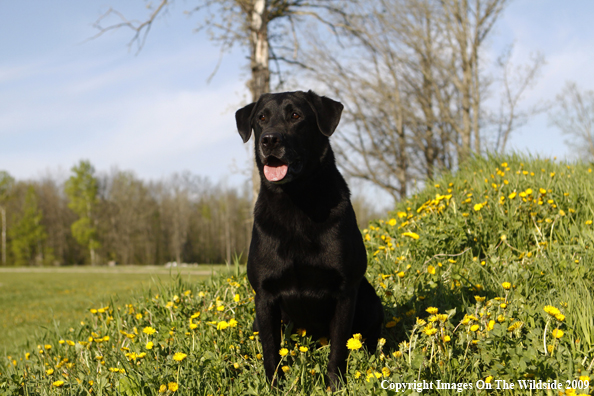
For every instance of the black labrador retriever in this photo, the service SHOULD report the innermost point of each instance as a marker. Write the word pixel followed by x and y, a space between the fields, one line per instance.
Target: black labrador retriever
pixel 306 260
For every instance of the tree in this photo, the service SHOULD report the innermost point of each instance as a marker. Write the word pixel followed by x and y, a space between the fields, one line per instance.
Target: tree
pixel 412 77
pixel 6 183
pixel 245 22
pixel 176 209
pixel 574 116
pixel 27 234
pixel 515 81
pixel 81 189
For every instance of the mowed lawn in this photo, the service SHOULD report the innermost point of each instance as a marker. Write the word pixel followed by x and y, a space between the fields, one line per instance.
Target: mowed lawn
pixel 35 299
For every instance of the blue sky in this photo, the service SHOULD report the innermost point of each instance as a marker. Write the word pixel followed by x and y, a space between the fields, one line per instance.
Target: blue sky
pixel 64 98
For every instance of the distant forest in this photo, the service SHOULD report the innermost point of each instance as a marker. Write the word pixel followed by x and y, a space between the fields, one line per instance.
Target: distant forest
pixel 97 217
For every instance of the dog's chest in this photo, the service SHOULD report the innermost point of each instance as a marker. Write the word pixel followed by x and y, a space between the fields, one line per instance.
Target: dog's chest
pixel 300 280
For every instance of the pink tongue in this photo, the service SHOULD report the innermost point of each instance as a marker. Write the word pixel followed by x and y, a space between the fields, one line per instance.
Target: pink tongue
pixel 275 173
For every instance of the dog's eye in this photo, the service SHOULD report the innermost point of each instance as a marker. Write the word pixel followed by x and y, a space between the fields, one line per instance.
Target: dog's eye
pixel 295 116
pixel 262 117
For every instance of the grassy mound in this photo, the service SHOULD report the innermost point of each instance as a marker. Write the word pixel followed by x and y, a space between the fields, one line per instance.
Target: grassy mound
pixel 485 280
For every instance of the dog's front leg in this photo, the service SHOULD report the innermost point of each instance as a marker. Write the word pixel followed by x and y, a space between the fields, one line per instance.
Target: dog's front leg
pixel 340 331
pixel 268 317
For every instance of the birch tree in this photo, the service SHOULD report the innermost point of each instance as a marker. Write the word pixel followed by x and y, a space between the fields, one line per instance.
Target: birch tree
pixel 244 23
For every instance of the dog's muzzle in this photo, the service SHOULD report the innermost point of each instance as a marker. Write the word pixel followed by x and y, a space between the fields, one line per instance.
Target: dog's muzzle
pixel 272 149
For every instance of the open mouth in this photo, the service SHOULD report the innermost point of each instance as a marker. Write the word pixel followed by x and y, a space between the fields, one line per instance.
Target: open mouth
pixel 275 169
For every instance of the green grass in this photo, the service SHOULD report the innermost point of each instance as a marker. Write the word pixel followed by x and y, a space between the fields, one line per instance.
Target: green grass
pixel 506 266
pixel 33 300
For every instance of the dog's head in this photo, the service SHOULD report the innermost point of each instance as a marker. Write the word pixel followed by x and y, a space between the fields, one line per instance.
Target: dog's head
pixel 291 131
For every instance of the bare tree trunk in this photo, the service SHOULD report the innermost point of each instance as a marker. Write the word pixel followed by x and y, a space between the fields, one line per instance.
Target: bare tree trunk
pixel 260 82
pixel 227 230
pixel 3 212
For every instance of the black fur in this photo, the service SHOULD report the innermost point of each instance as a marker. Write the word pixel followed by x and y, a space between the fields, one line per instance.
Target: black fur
pixel 307 260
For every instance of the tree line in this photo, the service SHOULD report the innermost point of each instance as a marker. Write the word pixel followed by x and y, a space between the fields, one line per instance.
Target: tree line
pixel 94 218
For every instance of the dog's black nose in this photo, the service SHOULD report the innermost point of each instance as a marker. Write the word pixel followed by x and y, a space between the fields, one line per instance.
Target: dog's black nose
pixel 270 140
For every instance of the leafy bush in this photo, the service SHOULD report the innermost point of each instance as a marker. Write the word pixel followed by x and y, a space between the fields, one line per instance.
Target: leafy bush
pixel 484 275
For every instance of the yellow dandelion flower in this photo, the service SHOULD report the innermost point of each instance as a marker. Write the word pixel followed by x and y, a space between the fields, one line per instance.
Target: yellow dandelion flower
pixel 149 345
pixel 386 372
pixel 358 336
pixel 58 383
pixel 431 270
pixel 558 333
pixel 149 330
pixel 179 356
pixel 429 330
pixel 411 234
pixel 286 369
pixel 560 317
pixel 397 354
pixel 392 222
pixel 506 285
pixel 516 325
pixel 283 352
pixel 222 325
pixel 172 386
pixel 542 191
pixel 301 332
pixel 432 310
pixel 474 327
pixel 354 344
pixel 478 207
pixel 588 222
pixel 390 324
pixel 303 349
pixel 479 298
pixel 400 274
pixel 447 338
pixel 163 388
pixel 551 310
pixel 49 371
pixel 512 195
pixel 47 346
pixel 237 298
pixel 489 379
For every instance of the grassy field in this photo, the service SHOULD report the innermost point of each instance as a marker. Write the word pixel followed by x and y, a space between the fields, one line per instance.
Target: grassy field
pixel 33 300
pixel 486 280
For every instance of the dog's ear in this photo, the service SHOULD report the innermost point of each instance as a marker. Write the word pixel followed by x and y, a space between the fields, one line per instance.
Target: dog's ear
pixel 243 118
pixel 327 112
